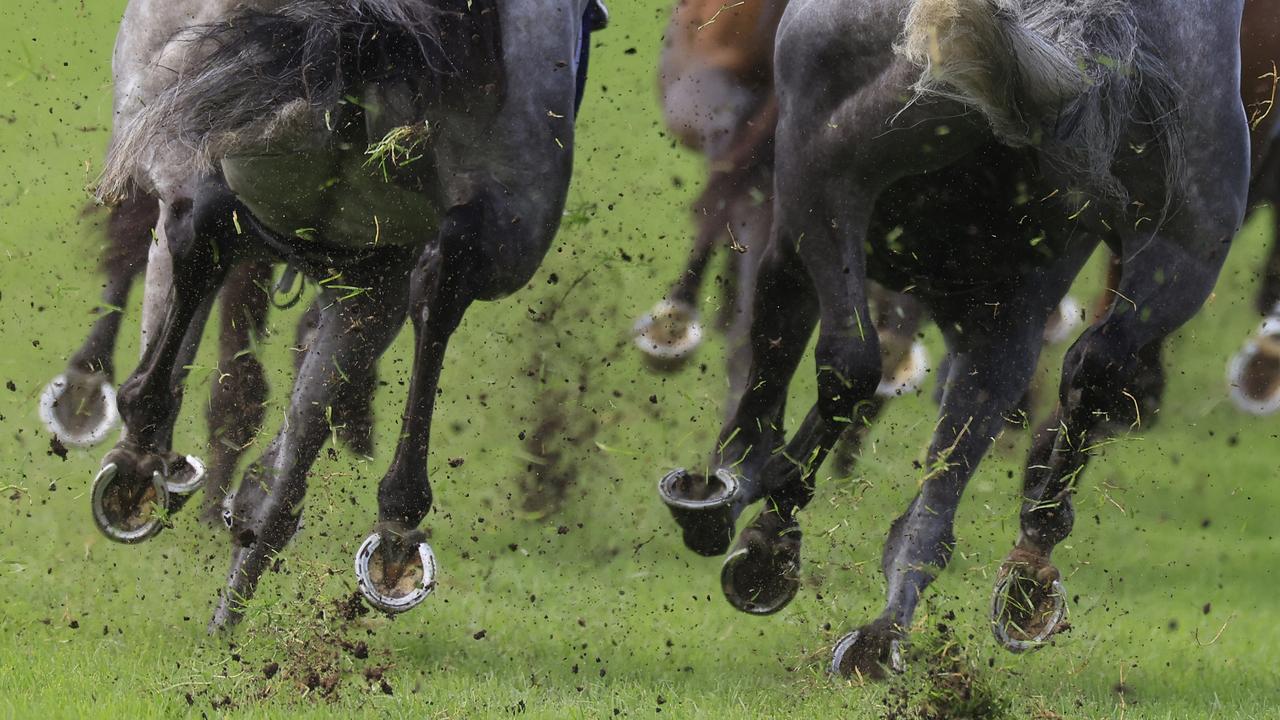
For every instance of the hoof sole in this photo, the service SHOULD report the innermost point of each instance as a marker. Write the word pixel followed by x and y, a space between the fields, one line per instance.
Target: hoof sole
pixel 668 334
pixel 909 376
pixel 702 507
pixel 410 588
pixel 1253 374
pixel 96 427
pixel 1014 639
pixel 848 656
pixel 128 514
pixel 758 585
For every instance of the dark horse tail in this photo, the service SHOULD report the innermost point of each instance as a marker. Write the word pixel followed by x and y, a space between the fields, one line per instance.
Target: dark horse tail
pixel 268 77
pixel 1067 76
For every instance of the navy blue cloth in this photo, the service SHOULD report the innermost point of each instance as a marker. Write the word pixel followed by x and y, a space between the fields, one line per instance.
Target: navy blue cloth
pixel 595 18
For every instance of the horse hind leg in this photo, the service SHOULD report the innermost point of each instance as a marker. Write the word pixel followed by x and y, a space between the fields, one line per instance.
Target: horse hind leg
pixel 1167 275
pixel 79 406
pixel 266 510
pixel 238 394
pixel 352 415
pixel 990 369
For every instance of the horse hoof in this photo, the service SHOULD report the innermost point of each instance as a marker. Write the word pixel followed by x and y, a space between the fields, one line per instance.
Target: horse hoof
pixel 186 479
pixel 762 575
pixel 127 505
pixel 1253 375
pixel 669 334
pixel 396 579
pixel 79 408
pixel 1064 322
pixel 869 652
pixel 703 507
pixel 1023 615
pixel 909 376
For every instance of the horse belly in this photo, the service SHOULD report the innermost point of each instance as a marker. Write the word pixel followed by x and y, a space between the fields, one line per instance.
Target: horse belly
pixel 331 198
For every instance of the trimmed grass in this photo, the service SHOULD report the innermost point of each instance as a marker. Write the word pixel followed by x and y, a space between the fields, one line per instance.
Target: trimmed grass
pixel 595 610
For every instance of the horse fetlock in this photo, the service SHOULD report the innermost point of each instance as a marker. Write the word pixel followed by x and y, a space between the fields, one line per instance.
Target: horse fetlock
pixel 845 379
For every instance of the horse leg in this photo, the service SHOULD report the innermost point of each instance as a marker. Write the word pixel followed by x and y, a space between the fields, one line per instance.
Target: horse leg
pixel 395 567
pixel 707 108
pixel 903 363
pixel 79 406
pixel 189 261
pixel 991 366
pixel 1253 374
pixel 752 225
pixel 238 395
pixel 706 506
pixel 353 411
pixel 349 337
pixel 1167 275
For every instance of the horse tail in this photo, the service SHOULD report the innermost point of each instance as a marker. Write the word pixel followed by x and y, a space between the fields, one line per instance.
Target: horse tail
pixel 1066 76
pixel 259 79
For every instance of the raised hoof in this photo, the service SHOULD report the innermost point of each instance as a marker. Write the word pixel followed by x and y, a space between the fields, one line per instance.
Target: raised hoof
pixel 703 507
pixel 1064 322
pixel 1025 612
pixel 395 577
pixel 872 651
pixel 128 505
pixel 668 334
pixel 908 376
pixel 79 408
pixel 762 574
pixel 1253 375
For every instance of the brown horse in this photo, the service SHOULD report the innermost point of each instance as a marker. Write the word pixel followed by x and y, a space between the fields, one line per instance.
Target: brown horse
pixel 716 84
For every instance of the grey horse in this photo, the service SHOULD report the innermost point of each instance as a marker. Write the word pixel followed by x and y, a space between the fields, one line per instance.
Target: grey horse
pixel 974 152
pixel 411 156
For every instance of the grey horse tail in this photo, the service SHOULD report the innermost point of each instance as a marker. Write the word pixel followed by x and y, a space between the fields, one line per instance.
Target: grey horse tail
pixel 1069 77
pixel 269 81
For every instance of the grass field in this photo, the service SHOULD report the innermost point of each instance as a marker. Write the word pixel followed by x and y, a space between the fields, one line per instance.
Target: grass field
pixel 594 610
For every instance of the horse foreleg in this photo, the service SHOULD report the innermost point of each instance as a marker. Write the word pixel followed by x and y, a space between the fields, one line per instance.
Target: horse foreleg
pixel 79 406
pixel 141 473
pixel 706 506
pixel 266 510
pixel 395 566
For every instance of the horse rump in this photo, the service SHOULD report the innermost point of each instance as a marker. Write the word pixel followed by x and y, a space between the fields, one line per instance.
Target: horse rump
pixel 1069 77
pixel 270 78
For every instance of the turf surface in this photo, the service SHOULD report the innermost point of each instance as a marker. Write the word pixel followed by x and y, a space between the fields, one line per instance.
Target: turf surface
pixel 594 609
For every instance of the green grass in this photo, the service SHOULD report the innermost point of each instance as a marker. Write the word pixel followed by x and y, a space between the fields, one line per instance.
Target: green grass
pixel 595 610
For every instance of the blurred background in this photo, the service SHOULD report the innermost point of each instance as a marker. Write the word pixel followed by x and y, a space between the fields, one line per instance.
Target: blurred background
pixel 565 590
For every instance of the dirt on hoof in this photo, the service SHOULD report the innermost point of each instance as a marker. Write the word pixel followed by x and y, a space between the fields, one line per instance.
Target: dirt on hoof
pixel 396 572
pixel 1261 377
pixel 1031 601
pixel 130 505
pixel 944 683
pixel 871 655
pixel 767 577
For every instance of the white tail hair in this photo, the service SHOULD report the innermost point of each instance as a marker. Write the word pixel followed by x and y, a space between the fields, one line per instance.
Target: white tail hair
pixel 1067 76
pixel 263 78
